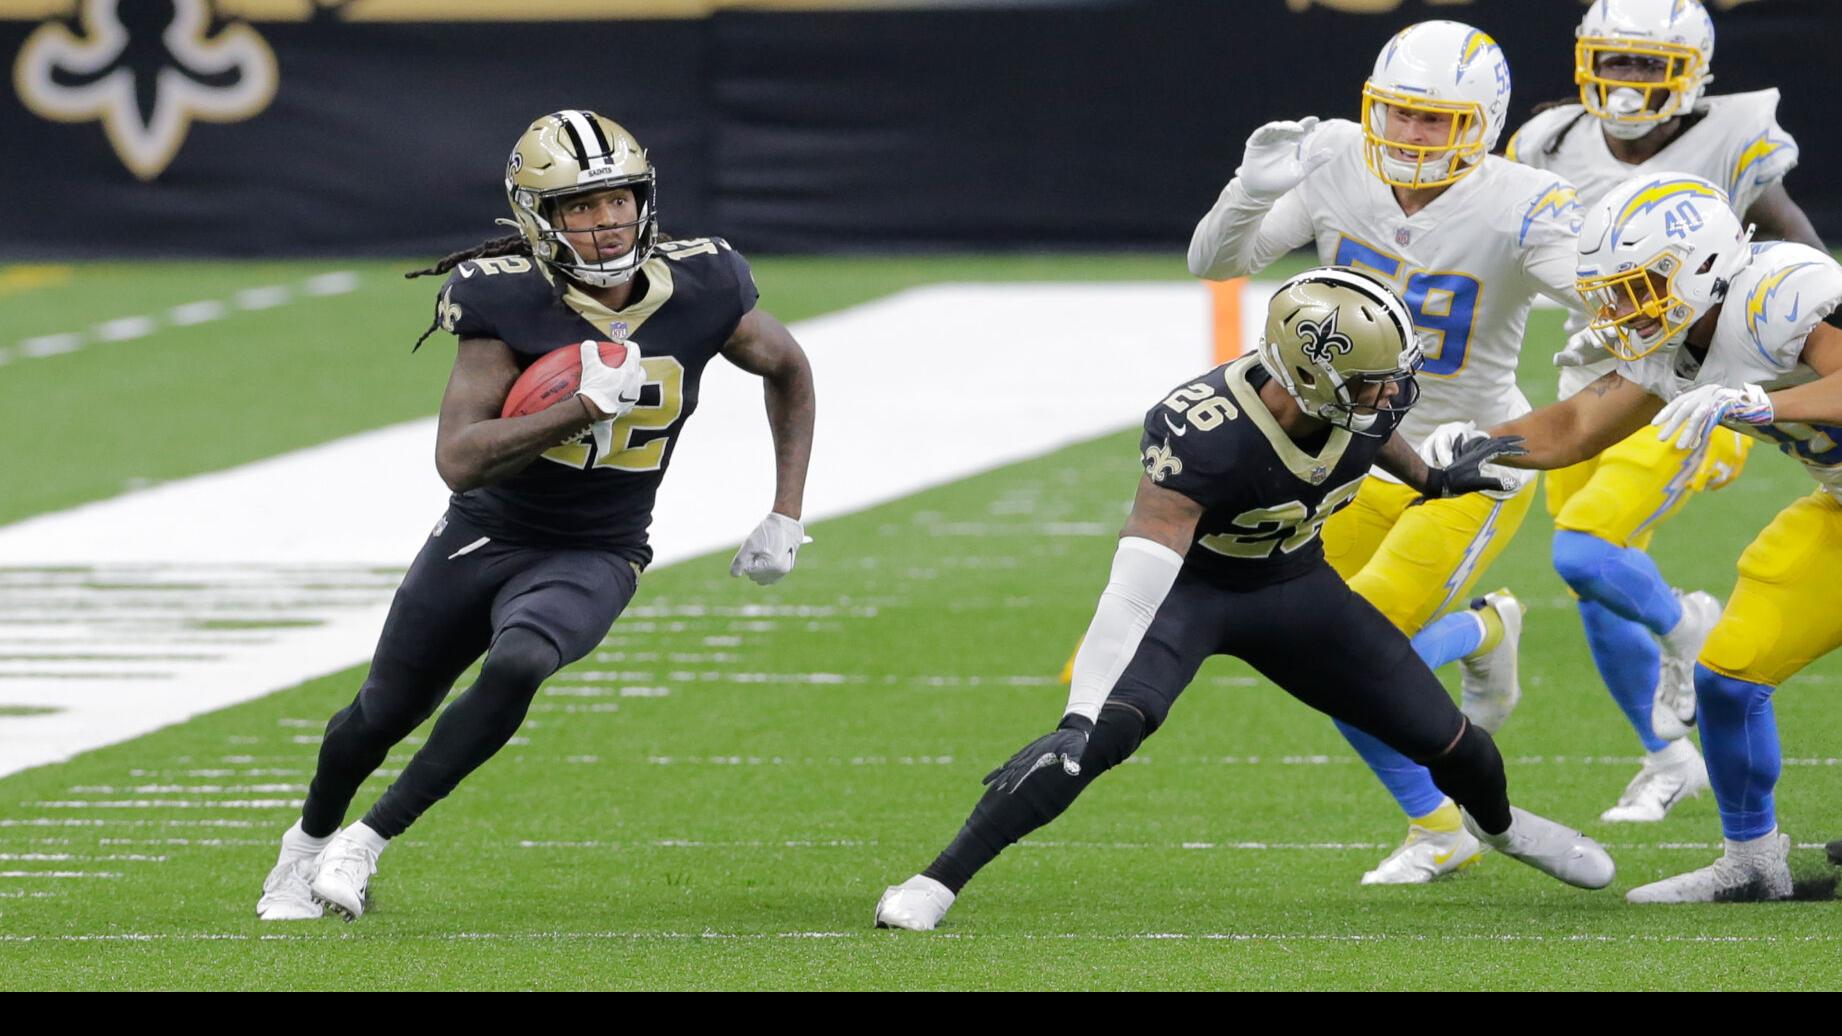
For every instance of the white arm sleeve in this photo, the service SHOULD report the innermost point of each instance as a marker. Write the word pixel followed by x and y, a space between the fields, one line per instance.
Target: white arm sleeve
pixel 1142 574
pixel 1550 265
pixel 1242 236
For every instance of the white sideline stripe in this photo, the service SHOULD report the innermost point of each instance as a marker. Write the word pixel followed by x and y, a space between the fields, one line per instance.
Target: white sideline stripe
pixel 370 499
pixel 1633 938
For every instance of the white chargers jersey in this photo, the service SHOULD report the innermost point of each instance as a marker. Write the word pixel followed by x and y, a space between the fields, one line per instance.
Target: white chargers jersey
pixel 1771 307
pixel 1736 142
pixel 1468 264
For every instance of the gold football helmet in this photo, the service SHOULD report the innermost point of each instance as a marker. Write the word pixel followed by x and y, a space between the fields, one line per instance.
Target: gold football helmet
pixel 1332 330
pixel 575 152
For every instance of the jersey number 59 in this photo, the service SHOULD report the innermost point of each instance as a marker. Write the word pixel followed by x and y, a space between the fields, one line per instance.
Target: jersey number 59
pixel 1443 303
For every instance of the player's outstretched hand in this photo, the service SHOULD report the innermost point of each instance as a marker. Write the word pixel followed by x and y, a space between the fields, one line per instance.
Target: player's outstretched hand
pixel 1471 471
pixel 1062 746
pixel 612 391
pixel 1279 156
pixel 1692 415
pixel 769 551
pixel 1584 348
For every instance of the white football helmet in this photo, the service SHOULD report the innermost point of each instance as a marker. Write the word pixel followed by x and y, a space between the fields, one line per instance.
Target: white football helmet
pixel 1673 38
pixel 1655 254
pixel 1435 68
pixel 579 152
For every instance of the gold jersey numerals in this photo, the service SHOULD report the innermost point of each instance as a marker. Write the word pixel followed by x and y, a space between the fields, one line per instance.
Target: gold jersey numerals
pixel 1288 526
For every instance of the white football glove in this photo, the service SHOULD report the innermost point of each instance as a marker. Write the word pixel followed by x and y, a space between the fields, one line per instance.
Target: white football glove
pixel 768 553
pixel 1692 415
pixel 1278 157
pixel 1438 446
pixel 603 434
pixel 1584 348
pixel 613 390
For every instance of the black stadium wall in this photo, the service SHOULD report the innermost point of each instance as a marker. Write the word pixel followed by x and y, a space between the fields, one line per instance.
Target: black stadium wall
pixel 306 127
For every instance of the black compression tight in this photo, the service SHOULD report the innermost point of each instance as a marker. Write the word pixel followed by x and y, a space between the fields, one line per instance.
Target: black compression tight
pixel 477 724
pixel 1002 818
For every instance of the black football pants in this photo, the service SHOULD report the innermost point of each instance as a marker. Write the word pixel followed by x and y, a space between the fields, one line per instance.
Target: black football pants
pixel 1312 636
pixel 530 611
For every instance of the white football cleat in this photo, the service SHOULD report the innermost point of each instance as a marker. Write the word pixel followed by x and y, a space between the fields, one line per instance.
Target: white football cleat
pixel 1675 773
pixel 917 904
pixel 1747 871
pixel 1553 849
pixel 1424 856
pixel 1672 712
pixel 345 871
pixel 1490 687
pixel 287 893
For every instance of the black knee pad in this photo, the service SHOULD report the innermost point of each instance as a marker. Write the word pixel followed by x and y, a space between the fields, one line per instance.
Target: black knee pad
pixel 1151 707
pixel 520 659
pixel 1118 734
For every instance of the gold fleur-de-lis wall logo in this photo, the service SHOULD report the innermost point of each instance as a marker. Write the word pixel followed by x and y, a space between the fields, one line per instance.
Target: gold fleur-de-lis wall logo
pixel 146 69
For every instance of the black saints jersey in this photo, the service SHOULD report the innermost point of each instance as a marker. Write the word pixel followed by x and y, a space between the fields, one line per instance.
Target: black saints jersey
pixel 1264 496
pixel 696 292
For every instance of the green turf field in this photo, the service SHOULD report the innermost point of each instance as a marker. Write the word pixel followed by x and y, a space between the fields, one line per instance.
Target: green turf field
pixel 716 798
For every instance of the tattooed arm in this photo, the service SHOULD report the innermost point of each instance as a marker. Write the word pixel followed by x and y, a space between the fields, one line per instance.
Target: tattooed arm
pixel 1581 425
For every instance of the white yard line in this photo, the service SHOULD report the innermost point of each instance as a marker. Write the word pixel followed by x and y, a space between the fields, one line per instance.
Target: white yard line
pixel 982 375
pixel 189 314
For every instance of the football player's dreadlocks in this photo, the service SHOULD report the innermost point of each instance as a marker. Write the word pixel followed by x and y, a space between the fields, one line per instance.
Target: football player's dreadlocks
pixel 510 244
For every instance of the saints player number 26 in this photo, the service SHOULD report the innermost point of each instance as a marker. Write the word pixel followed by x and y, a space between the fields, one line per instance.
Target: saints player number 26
pixel 1288 527
pixel 1443 303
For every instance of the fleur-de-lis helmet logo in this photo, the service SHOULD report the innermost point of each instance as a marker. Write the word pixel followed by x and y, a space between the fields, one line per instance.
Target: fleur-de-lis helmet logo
pixel 1319 340
pixel 146 69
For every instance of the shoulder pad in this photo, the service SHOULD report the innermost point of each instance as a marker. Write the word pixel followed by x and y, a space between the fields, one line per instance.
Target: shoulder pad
pixel 1787 290
pixel 478 291
pixel 1552 208
pixel 1526 144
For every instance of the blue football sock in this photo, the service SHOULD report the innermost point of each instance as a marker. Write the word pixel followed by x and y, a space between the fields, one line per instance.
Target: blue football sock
pixel 1408 781
pixel 1449 639
pixel 1739 736
pixel 1623 579
pixel 1629 662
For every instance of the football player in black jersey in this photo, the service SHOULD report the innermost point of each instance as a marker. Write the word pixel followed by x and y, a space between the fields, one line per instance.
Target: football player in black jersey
pixel 545 536
pixel 1221 556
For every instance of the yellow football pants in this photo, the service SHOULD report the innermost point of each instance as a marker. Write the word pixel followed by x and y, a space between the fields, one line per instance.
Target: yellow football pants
pixel 1783 614
pixel 1412 562
pixel 1625 493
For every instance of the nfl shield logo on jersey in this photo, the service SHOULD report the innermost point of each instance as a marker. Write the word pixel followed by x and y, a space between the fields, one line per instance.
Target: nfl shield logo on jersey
pixel 1319 473
pixel 1403 236
pixel 619 330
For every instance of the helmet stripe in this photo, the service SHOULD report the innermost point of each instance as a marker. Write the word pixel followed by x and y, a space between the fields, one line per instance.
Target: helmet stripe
pixel 582 130
pixel 1655 194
